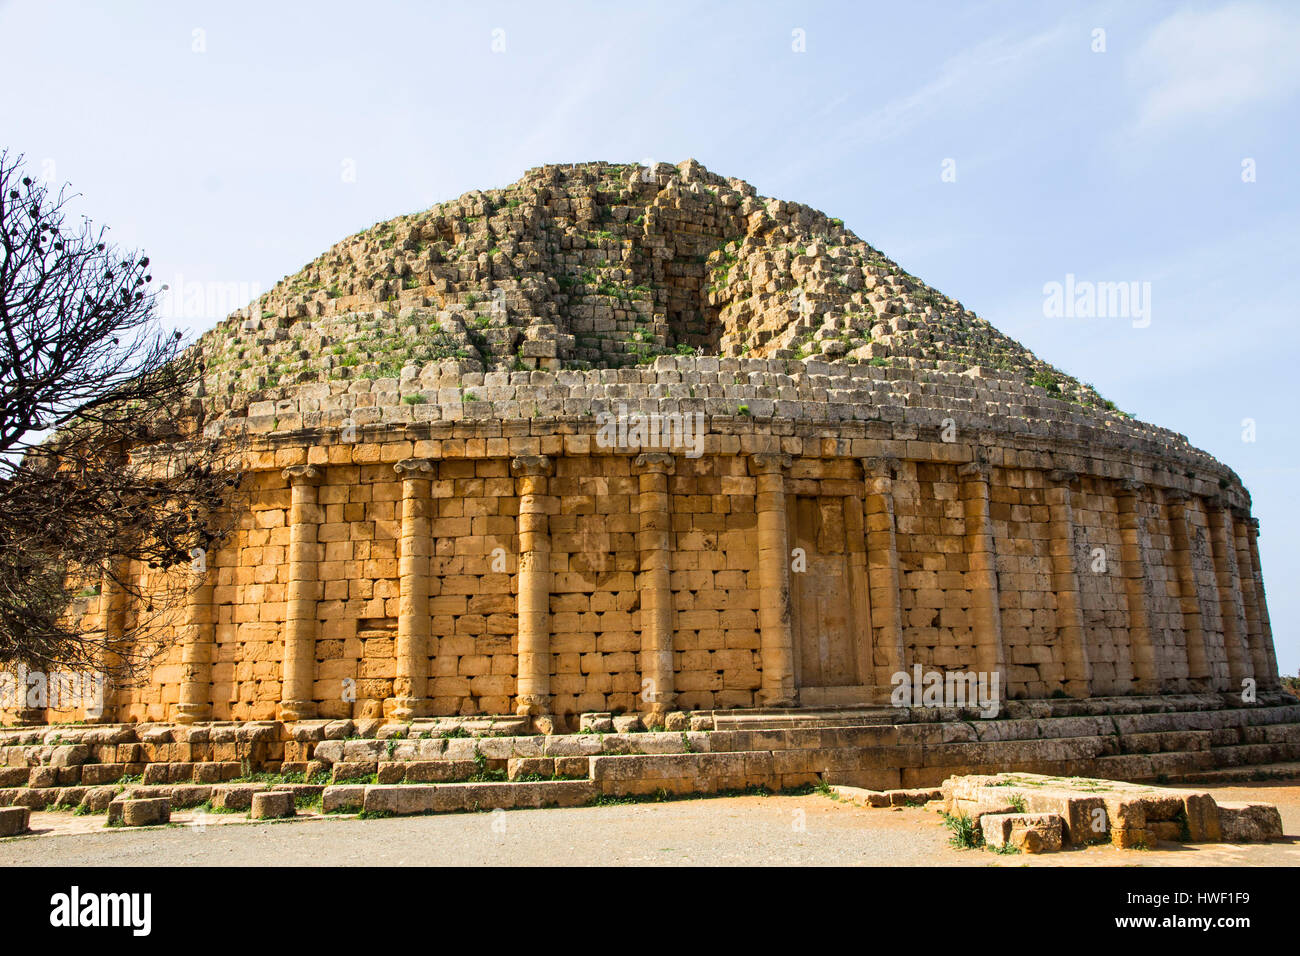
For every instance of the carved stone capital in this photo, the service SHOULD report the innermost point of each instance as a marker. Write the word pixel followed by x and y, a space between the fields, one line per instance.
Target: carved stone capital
pixel 302 474
pixel 531 466
pixel 975 471
pixel 882 467
pixel 654 462
pixel 766 463
pixel 415 468
pixel 1061 476
pixel 1176 496
pixel 1131 486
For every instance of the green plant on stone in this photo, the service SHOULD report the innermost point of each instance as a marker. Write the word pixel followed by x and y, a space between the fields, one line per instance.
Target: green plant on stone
pixel 965 835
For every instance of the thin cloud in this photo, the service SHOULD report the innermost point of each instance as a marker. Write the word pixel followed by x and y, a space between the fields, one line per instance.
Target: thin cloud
pixel 1196 65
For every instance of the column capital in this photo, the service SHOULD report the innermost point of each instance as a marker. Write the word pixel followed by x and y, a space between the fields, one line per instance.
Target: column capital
pixel 415 467
pixel 531 465
pixel 1177 496
pixel 975 471
pixel 880 467
pixel 302 474
pixel 1253 525
pixel 1131 486
pixel 1216 503
pixel 655 462
pixel 764 463
pixel 1063 477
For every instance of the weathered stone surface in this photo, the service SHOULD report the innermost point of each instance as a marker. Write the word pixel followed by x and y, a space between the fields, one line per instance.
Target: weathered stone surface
pixel 1128 814
pixel 14 820
pixel 596 723
pixel 235 796
pixel 343 799
pixel 1029 832
pixel 1203 818
pixel 145 813
pixel 271 805
pixel 1249 822
pixel 927 463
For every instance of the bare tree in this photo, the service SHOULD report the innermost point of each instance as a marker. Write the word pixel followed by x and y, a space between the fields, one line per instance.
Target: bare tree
pixel 103 469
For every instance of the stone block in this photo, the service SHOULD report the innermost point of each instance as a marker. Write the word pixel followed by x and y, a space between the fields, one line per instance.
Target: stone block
pixel 343 799
pixel 43 777
pixel 596 723
pixel 145 813
pixel 1249 822
pixel 235 796
pixel 14 820
pixel 96 774
pixel 1203 818
pixel 1028 832
pixel 272 805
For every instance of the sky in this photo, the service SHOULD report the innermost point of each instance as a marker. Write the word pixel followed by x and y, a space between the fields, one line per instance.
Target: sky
pixel 991 149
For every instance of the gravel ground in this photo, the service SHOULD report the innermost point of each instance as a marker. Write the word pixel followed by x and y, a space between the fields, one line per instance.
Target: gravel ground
pixel 748 831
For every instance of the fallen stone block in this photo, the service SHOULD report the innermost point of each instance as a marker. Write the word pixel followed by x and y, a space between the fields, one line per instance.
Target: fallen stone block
pixel 1203 819
pixel 14 820
pixel 272 805
pixel 1028 832
pixel 1249 822
pixel 235 796
pixel 145 813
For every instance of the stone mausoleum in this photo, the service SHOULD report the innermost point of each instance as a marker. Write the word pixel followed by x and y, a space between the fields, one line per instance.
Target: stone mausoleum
pixel 639 444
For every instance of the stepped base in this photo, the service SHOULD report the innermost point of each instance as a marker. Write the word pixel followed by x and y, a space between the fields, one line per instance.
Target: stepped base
pixel 1192 738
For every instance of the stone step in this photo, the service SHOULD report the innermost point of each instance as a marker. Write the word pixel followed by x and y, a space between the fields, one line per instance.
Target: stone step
pixel 407 799
pixel 1153 766
pixel 1286 770
pixel 799 719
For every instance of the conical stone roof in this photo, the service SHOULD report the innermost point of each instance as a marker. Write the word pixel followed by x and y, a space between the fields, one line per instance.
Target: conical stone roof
pixel 567 290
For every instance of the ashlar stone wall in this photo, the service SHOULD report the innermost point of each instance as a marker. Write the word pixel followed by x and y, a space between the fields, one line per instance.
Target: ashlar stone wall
pixel 495 571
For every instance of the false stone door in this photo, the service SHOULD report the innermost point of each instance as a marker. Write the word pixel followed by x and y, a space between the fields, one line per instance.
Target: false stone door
pixel 828 597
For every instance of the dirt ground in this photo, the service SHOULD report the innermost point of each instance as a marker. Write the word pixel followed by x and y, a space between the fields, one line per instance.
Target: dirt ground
pixel 809 830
